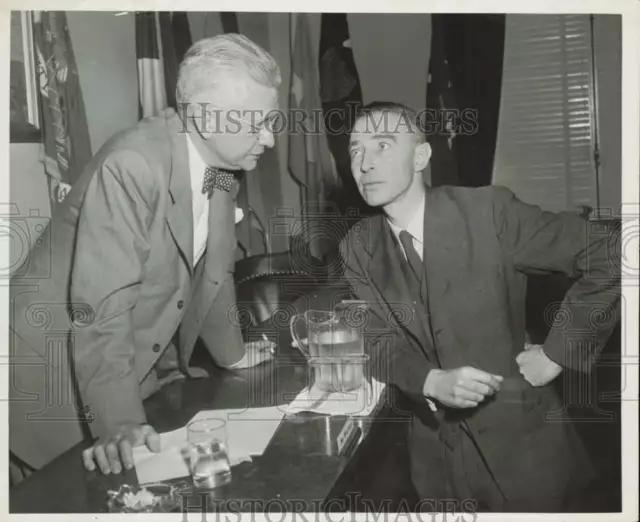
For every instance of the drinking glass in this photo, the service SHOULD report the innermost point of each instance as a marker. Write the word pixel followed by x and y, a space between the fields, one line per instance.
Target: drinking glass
pixel 207 453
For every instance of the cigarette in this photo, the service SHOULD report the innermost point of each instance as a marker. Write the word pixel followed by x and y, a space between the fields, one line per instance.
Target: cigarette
pixel 269 347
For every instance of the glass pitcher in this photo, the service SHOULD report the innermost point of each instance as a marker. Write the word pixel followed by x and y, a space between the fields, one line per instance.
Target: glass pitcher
pixel 334 348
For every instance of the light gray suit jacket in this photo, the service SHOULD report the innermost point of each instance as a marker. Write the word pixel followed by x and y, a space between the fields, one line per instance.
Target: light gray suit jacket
pixel 107 288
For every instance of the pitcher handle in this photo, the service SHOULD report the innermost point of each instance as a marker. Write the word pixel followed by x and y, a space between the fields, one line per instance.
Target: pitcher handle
pixel 301 346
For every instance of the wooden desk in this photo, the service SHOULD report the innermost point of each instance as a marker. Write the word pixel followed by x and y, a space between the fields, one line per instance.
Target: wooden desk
pixel 301 464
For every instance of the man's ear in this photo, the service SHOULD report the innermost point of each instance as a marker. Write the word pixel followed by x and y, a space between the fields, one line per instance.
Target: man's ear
pixel 421 156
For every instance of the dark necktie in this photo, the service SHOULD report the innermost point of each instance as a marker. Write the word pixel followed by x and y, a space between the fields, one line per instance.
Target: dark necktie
pixel 412 255
pixel 217 179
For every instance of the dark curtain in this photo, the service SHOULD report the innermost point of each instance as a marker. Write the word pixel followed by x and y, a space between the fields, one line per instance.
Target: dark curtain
pixel 442 105
pixel 466 67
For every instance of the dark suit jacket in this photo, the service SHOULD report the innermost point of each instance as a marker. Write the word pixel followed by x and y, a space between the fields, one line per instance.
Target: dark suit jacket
pixel 479 246
pixel 121 281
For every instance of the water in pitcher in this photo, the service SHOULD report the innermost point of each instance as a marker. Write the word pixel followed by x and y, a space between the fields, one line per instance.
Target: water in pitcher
pixel 337 343
pixel 336 362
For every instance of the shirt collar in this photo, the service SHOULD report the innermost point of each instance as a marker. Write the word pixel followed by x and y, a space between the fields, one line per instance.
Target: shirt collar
pixel 416 225
pixel 197 167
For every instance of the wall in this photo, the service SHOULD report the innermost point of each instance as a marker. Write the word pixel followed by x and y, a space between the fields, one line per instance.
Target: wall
pixel 392 56
pixel 105 51
pixel 28 186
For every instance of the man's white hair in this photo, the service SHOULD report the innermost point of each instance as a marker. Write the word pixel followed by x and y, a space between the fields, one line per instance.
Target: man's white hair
pixel 223 58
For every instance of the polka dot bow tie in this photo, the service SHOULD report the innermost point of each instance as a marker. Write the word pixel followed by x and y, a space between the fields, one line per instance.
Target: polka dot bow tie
pixel 217 179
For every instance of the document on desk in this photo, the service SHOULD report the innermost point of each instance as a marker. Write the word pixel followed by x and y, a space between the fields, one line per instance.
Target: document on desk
pixel 361 402
pixel 249 432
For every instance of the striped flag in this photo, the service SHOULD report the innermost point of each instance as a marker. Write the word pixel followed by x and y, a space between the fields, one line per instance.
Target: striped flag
pixel 162 39
pixel 67 148
pixel 151 83
pixel 263 184
pixel 310 161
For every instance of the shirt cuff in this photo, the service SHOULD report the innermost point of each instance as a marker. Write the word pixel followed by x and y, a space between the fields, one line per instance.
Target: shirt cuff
pixel 236 364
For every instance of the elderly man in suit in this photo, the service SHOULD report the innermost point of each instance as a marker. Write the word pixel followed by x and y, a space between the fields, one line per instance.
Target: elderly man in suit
pixel 444 270
pixel 141 257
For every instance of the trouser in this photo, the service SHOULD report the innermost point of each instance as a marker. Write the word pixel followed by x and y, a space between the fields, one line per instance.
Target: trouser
pixel 468 478
pixel 473 486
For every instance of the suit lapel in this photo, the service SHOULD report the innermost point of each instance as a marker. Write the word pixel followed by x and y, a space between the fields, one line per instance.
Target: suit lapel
pixel 444 258
pixel 219 258
pixel 180 216
pixel 213 269
pixel 221 240
pixel 387 275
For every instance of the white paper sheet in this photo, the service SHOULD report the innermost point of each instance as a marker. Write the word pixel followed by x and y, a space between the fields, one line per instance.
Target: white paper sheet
pixel 249 432
pixel 360 402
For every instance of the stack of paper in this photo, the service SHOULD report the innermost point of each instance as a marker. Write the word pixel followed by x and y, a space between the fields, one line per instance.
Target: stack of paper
pixel 358 402
pixel 249 432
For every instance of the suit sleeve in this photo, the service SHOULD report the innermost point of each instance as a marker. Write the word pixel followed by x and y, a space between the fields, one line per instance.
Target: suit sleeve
pixel 221 332
pixel 110 253
pixel 540 242
pixel 393 359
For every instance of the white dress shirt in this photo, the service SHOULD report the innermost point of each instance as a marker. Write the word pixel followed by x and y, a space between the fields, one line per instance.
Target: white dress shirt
pixel 197 167
pixel 415 228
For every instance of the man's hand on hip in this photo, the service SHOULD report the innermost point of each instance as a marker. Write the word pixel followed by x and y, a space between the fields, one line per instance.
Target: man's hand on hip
pixel 464 387
pixel 113 452
pixel 536 367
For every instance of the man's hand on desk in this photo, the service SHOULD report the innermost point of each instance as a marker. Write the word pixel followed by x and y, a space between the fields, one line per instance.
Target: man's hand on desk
pixel 255 353
pixel 113 452
pixel 464 387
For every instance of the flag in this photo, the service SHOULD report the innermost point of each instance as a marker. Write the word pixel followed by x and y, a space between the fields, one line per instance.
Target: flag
pixel 151 84
pixel 263 184
pixel 66 143
pixel 175 37
pixel 310 162
pixel 341 97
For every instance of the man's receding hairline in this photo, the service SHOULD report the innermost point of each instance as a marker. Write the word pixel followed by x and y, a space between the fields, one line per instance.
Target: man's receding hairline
pixel 400 111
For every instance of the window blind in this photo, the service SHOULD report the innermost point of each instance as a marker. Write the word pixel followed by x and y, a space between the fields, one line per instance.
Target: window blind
pixel 544 150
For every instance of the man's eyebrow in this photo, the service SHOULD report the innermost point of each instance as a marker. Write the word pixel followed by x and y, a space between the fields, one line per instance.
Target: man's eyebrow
pixel 385 137
pixel 257 118
pixel 353 143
